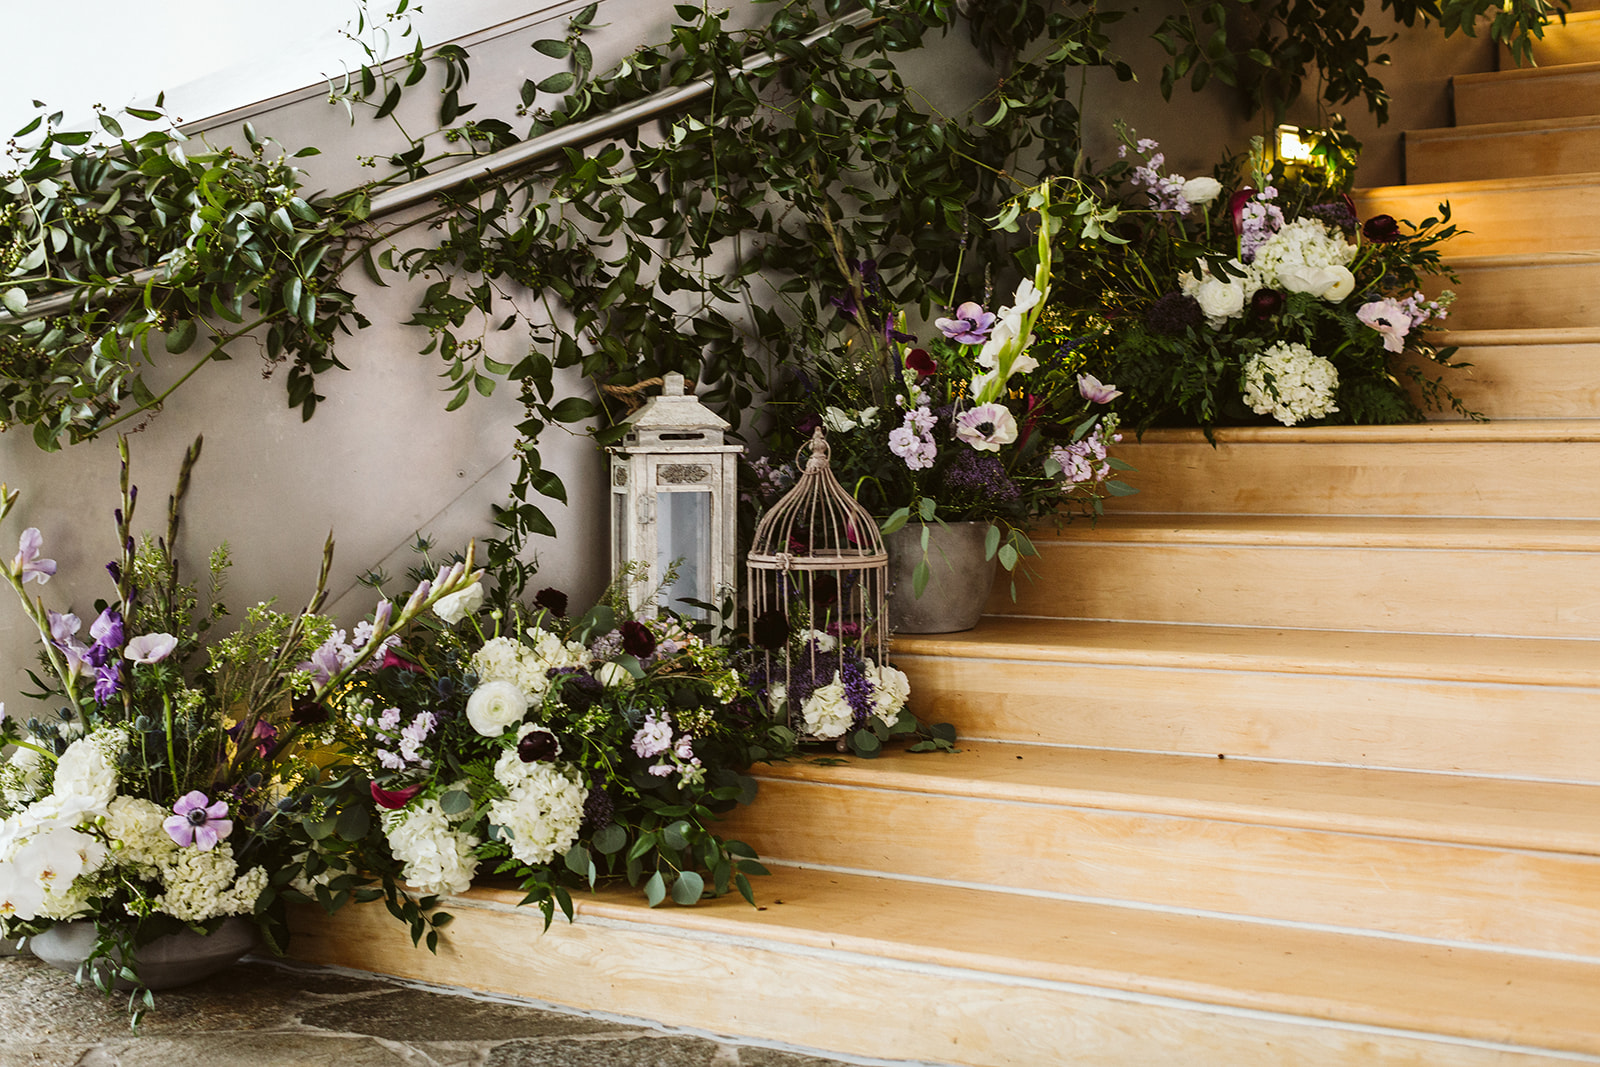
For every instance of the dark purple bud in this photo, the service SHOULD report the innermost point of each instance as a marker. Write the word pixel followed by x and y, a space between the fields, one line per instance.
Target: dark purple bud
pixel 115 570
pixel 1381 229
pixel 308 712
pixel 1266 303
pixel 771 629
pixel 538 746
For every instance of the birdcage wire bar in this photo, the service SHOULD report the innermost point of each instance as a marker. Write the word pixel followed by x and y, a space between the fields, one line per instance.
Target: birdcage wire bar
pixel 819 551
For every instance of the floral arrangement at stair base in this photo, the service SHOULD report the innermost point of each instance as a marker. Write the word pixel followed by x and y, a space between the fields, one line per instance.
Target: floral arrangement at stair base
pixel 555 750
pixel 1263 300
pixel 150 800
pixel 990 421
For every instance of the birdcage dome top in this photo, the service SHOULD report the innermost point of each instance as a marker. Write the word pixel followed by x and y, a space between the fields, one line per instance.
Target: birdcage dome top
pixel 816 524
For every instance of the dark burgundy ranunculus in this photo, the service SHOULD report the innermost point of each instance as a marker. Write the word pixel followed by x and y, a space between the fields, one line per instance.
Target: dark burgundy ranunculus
pixel 393 799
pixel 920 361
pixel 552 600
pixel 538 746
pixel 1381 229
pixel 1266 303
pixel 770 629
pixel 637 640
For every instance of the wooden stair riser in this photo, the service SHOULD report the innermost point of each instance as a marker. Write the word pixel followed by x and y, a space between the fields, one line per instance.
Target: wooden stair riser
pixel 1533 479
pixel 1578 41
pixel 1515 899
pixel 852 1004
pixel 1553 291
pixel 1502 150
pixel 1523 381
pixel 1519 594
pixel 1567 91
pixel 1500 217
pixel 1531 731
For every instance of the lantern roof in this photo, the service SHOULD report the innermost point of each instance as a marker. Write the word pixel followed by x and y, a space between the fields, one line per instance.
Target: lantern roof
pixel 675 416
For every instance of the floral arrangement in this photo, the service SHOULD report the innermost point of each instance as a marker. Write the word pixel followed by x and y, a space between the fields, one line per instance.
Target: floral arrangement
pixel 555 750
pixel 1265 300
pixel 991 420
pixel 156 796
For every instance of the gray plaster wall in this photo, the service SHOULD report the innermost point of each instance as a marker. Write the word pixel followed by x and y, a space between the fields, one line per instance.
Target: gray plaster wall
pixel 382 460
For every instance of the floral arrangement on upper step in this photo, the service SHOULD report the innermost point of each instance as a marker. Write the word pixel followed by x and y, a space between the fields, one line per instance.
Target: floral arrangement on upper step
pixel 992 419
pixel 559 750
pixel 1256 300
pixel 154 794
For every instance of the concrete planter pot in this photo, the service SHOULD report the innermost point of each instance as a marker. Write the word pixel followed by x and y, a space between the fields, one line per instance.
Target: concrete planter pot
pixel 960 582
pixel 165 963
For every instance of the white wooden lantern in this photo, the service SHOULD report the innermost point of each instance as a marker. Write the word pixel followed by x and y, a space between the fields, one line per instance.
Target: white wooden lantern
pixel 674 490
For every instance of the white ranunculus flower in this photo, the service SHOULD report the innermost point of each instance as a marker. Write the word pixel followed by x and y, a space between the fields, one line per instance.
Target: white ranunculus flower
pixel 1343 283
pixel 493 707
pixel 1201 190
pixel 460 604
pixel 1219 299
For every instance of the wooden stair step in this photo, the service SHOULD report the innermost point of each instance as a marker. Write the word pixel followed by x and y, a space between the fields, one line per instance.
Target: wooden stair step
pixel 1525 374
pixel 1527 93
pixel 906 970
pixel 1529 578
pixel 1464 705
pixel 1521 149
pixel 1556 290
pixel 1577 40
pixel 1500 216
pixel 1433 468
pixel 1460 860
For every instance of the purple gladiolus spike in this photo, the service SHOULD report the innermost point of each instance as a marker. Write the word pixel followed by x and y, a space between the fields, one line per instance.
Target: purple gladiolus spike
pixel 27 564
pixel 198 822
pixel 107 679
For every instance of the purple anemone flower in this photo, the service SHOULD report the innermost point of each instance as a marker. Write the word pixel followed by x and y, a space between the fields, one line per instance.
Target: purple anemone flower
pixel 198 822
pixel 970 326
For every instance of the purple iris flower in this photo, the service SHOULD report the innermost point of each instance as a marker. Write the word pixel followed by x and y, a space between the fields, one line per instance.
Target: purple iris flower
pixel 970 326
pixel 27 563
pixel 196 821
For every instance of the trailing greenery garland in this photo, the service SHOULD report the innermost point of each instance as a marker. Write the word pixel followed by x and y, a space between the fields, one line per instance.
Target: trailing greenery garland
pixel 713 250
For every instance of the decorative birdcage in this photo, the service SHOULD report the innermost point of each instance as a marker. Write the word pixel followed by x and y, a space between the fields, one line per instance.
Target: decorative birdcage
pixel 817 593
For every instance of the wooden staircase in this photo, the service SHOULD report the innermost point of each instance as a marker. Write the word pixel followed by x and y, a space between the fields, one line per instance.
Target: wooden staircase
pixel 1292 759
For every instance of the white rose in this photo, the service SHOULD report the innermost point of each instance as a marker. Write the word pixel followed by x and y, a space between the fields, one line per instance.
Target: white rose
pixel 494 706
pixel 460 604
pixel 1201 190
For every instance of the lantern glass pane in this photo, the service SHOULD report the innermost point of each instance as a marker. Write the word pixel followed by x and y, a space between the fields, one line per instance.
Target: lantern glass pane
pixel 683 540
pixel 621 516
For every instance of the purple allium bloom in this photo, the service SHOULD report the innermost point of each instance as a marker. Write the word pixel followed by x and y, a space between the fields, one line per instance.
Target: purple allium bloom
pixel 970 326
pixel 196 821
pixel 1173 313
pixel 980 479
pixel 27 564
pixel 599 809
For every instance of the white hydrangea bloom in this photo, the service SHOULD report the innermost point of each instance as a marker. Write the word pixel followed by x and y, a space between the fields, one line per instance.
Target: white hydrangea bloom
pixel 201 885
pixel 890 691
pixel 135 824
pixel 542 809
pixel 827 713
pixel 436 858
pixel 1289 383
pixel 86 777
